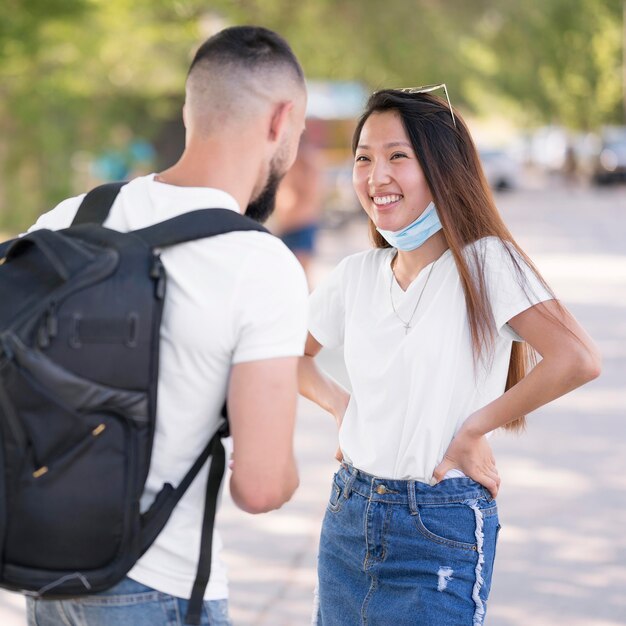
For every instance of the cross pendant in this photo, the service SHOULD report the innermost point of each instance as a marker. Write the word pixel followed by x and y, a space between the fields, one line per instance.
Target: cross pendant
pixel 407 327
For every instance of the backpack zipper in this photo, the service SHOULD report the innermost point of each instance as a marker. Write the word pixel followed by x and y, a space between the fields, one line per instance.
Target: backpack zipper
pixel 62 460
pixel 49 326
pixel 157 273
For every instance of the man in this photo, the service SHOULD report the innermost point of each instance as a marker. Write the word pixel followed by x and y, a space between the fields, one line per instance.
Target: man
pixel 234 320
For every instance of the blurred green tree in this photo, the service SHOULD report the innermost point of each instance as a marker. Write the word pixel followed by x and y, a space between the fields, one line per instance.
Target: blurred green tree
pixel 555 61
pixel 544 61
pixel 72 72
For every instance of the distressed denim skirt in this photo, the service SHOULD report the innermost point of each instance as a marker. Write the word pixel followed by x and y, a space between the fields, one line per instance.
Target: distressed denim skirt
pixel 401 552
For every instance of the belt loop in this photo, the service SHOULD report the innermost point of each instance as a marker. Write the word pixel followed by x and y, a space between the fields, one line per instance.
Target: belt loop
pixel 347 488
pixel 412 499
pixel 486 494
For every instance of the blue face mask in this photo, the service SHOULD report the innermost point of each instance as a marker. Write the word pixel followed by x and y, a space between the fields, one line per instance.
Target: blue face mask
pixel 416 233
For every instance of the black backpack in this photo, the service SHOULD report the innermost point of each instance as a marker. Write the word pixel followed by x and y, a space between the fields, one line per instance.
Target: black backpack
pixel 80 313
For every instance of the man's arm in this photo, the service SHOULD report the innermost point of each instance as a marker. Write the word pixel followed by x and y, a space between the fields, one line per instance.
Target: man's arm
pixel 262 399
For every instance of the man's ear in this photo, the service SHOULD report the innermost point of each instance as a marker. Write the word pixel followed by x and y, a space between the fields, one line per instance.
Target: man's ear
pixel 185 115
pixel 279 119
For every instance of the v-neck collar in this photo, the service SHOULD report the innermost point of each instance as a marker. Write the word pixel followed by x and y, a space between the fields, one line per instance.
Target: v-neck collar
pixel 423 272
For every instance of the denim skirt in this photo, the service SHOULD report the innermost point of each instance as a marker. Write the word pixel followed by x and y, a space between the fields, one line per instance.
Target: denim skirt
pixel 401 552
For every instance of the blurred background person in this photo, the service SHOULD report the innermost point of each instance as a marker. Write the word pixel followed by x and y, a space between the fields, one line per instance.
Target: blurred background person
pixel 570 166
pixel 299 204
pixel 126 158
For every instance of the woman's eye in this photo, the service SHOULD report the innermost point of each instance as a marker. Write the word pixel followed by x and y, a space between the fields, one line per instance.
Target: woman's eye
pixel 398 155
pixel 361 158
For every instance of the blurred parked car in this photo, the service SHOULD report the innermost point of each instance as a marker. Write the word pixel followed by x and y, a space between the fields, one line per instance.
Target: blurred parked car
pixel 501 170
pixel 548 147
pixel 609 164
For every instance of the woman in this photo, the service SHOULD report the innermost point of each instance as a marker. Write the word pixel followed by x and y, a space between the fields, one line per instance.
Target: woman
pixel 435 322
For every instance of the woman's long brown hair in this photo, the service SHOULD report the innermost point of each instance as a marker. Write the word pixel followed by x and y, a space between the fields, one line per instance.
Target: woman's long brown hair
pixel 467 211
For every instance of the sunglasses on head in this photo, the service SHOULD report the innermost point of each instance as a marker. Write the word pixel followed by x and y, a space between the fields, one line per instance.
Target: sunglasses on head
pixel 427 89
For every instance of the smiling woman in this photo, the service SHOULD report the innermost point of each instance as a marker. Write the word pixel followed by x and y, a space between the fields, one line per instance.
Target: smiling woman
pixel 437 322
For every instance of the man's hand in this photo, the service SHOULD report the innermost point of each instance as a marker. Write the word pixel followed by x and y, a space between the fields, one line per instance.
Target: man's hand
pixel 473 456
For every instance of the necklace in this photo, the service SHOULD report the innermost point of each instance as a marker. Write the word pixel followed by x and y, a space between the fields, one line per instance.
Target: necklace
pixel 407 324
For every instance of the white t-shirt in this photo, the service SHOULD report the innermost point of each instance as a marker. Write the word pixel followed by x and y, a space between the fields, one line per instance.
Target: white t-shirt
pixel 411 392
pixel 232 298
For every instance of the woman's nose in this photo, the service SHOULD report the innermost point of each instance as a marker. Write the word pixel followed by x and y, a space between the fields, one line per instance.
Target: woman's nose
pixel 378 174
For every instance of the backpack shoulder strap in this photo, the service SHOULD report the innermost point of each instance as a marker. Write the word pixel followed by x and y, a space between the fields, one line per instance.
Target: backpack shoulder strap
pixel 156 517
pixel 196 224
pixel 96 205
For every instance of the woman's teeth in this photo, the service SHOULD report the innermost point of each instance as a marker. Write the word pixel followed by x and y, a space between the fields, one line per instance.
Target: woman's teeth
pixel 382 200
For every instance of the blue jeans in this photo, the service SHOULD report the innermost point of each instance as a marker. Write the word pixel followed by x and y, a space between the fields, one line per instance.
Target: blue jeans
pixel 404 553
pixel 128 603
pixel 301 239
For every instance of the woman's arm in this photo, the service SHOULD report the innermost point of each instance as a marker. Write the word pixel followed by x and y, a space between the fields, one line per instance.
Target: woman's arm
pixel 318 386
pixel 569 359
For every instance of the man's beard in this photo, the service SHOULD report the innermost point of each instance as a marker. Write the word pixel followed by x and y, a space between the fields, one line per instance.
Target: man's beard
pixel 263 205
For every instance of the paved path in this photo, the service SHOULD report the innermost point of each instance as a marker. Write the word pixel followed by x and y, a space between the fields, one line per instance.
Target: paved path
pixel 562 550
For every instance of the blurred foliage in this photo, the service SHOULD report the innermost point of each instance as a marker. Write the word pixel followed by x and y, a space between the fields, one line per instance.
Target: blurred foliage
pixel 73 75
pixel 72 72
pixel 556 61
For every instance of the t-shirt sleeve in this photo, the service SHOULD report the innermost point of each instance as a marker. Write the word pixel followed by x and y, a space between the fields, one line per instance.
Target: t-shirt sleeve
pixel 60 217
pixel 327 313
pixel 512 285
pixel 271 309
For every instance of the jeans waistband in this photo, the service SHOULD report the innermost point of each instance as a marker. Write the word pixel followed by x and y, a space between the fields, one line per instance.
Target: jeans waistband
pixel 408 492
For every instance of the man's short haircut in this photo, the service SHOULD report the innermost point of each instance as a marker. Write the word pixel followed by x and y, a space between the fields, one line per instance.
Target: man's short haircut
pixel 237 70
pixel 251 46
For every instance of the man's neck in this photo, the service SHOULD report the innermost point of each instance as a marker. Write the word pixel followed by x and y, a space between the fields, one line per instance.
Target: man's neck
pixel 210 166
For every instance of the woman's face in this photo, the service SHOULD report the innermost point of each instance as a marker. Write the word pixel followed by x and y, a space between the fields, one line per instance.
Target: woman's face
pixel 387 177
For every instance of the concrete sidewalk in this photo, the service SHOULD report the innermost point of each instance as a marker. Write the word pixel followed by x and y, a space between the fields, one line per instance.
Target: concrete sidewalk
pixel 562 505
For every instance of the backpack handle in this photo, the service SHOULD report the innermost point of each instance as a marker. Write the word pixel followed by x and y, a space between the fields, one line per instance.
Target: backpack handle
pixel 5 246
pixel 63 257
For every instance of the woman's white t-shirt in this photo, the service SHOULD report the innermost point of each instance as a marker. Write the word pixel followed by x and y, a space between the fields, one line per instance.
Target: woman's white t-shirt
pixel 411 392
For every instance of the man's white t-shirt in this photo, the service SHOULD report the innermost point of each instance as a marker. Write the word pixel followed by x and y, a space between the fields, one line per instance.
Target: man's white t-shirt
pixel 412 392
pixel 232 298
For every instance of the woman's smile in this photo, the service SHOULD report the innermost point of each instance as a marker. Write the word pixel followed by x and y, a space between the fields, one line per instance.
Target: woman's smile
pixel 386 202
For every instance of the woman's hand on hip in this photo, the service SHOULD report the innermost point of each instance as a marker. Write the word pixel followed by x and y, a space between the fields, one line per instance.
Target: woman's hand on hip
pixel 473 456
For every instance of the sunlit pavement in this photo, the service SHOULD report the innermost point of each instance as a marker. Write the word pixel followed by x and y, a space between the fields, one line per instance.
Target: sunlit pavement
pixel 562 550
